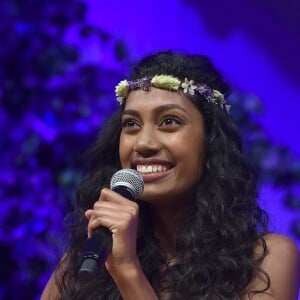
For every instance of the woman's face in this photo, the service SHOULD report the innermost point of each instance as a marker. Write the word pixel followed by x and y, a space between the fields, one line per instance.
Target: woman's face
pixel 162 138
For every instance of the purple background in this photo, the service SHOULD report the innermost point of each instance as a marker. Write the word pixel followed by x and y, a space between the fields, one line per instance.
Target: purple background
pixel 48 120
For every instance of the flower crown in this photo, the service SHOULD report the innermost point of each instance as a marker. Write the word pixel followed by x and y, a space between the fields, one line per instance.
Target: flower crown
pixel 171 83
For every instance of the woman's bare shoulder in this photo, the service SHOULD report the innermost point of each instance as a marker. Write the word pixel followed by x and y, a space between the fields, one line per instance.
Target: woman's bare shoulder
pixel 51 290
pixel 282 265
pixel 281 242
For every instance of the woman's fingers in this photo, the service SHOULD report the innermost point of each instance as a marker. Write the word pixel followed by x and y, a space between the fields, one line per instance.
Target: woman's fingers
pixel 115 219
pixel 111 196
pixel 115 207
pixel 111 211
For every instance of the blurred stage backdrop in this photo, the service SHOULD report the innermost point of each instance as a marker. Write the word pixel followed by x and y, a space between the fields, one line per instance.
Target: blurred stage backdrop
pixel 60 61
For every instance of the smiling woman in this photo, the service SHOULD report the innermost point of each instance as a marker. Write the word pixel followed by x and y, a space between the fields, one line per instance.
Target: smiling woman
pixel 197 231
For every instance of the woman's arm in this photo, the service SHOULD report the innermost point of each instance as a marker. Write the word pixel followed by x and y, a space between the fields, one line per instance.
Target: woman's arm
pixel 120 216
pixel 282 264
pixel 133 284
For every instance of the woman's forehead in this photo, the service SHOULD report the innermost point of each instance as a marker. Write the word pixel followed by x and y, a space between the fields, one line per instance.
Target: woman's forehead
pixel 156 97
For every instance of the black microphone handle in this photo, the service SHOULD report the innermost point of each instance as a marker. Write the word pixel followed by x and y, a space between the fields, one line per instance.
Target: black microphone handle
pixel 98 246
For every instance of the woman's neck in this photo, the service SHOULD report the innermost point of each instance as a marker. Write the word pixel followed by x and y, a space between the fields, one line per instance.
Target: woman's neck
pixel 166 222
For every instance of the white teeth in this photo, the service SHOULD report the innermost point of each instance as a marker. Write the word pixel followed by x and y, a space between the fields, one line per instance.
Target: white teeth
pixel 151 168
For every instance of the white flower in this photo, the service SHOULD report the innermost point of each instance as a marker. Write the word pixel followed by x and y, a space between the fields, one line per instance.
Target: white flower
pixel 227 108
pixel 120 100
pixel 188 86
pixel 122 89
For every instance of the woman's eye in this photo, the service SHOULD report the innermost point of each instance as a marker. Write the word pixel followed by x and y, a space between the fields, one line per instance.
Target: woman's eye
pixel 170 121
pixel 129 123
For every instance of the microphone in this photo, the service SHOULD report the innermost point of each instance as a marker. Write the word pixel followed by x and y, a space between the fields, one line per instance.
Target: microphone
pixel 129 184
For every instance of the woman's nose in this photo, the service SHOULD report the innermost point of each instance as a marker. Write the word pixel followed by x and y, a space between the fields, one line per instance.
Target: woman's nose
pixel 147 142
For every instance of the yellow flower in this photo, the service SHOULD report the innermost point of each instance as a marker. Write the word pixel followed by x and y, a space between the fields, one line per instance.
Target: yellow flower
pixel 122 88
pixel 218 96
pixel 166 82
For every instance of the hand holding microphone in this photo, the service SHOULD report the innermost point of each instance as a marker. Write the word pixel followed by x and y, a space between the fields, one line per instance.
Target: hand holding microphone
pixel 112 215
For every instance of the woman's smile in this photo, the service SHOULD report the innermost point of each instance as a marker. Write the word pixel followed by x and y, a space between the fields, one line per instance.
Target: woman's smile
pixel 149 169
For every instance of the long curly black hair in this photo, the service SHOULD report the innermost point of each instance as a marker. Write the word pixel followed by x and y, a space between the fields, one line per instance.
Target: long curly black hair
pixel 214 245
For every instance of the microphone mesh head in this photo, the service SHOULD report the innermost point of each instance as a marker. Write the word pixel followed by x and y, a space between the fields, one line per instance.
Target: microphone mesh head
pixel 129 178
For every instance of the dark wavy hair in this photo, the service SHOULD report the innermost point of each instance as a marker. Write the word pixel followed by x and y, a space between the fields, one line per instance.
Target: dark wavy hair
pixel 215 244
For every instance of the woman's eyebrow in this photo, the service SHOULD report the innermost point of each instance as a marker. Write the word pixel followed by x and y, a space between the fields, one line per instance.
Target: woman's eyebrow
pixel 165 107
pixel 158 109
pixel 131 112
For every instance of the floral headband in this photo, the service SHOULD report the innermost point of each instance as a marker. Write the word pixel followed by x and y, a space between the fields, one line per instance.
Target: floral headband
pixel 171 83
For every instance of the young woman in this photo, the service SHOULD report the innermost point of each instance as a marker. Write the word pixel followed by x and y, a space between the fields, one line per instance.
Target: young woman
pixel 197 231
